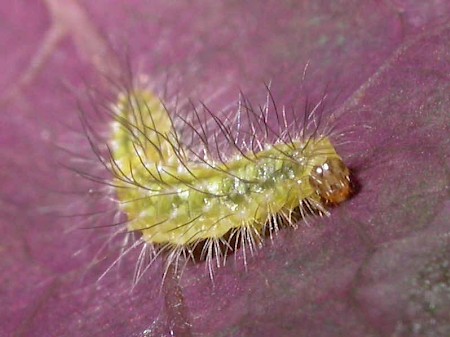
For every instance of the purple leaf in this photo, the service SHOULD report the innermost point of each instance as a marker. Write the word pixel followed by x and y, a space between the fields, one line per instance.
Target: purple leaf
pixel 379 266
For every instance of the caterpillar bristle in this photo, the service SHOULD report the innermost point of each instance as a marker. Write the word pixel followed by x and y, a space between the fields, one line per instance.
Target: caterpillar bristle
pixel 156 148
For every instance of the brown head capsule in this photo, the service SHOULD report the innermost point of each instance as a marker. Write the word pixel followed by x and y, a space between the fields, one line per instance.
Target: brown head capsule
pixel 331 181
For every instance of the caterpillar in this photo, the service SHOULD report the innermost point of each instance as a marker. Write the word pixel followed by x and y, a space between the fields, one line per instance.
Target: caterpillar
pixel 191 199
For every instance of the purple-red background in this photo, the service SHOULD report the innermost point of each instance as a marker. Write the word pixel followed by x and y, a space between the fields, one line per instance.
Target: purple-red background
pixel 378 267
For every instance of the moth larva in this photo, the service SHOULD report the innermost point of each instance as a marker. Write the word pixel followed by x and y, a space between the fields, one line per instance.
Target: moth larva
pixel 179 199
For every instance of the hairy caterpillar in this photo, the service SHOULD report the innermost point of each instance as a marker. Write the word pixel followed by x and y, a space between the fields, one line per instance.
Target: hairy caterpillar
pixel 191 199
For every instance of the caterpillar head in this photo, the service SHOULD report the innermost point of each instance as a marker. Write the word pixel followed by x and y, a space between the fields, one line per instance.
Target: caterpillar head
pixel 331 181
